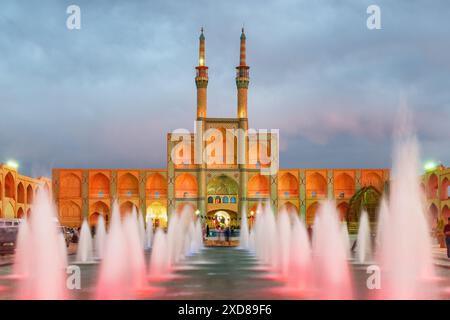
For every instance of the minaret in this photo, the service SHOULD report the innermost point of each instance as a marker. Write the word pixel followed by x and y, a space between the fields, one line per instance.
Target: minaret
pixel 201 79
pixel 242 80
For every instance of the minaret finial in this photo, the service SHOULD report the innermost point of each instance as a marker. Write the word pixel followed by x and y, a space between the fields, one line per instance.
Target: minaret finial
pixel 242 79
pixel 201 79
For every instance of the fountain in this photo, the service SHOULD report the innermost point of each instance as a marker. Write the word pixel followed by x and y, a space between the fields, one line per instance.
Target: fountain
pixel 100 237
pixel 244 233
pixel 142 234
pixel 284 242
pixel 114 277
pixel 149 233
pixel 300 263
pixel 159 260
pixel 332 276
pixel 405 245
pixel 43 265
pixel 135 252
pixel 363 242
pixel 85 248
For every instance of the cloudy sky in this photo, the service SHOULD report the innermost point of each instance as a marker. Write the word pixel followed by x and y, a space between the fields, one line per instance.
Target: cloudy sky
pixel 106 95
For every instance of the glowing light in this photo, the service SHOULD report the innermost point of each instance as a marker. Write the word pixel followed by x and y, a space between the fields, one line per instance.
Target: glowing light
pixel 197 212
pixel 252 212
pixel 430 166
pixel 13 164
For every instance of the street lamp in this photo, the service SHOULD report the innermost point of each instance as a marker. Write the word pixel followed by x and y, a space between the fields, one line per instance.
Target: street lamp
pixel 13 164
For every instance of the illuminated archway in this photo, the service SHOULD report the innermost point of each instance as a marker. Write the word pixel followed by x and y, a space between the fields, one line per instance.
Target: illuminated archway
pixel 99 186
pixel 128 185
pixel 157 212
pixel 20 213
pixel 316 185
pixel 288 185
pixel 432 186
pixel 10 189
pixel 30 194
pixel 258 186
pixel 156 186
pixel 98 209
pixel 70 186
pixel 344 186
pixel 185 186
pixel 311 213
pixel 20 193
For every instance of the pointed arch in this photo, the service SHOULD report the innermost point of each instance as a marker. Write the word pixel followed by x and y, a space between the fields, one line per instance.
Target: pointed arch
pixel 342 209
pixel 311 213
pixel 344 186
pixel 316 185
pixel 127 208
pixel 20 193
pixel 156 186
pixel 20 213
pixel 99 186
pixel 258 186
pixel 10 188
pixel 289 207
pixel 186 186
pixel 432 186
pixel 98 209
pixel 70 214
pixel 30 194
pixel 288 185
pixel 128 185
pixel 70 186
pixel 446 213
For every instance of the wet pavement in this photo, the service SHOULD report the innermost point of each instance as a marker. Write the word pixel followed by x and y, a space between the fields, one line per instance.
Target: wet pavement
pixel 216 273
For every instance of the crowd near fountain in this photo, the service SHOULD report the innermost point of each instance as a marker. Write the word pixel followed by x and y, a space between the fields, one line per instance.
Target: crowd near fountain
pixel 314 263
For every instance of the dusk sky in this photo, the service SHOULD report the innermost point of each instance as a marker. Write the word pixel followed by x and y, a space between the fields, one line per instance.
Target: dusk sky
pixel 106 95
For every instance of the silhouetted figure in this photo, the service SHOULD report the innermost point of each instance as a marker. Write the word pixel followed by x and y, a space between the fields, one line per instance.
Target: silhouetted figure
pixel 207 231
pixel 227 235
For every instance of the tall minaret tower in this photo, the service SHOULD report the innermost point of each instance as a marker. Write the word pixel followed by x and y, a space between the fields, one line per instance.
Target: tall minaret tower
pixel 242 80
pixel 201 79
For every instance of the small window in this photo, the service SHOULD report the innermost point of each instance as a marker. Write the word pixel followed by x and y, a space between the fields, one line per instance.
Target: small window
pixel 314 194
pixel 258 193
pixel 286 194
pixel 129 193
pixel 225 199
pixel 233 199
pixel 210 200
pixel 157 194
pixel 100 194
pixel 218 200
pixel 185 194
pixel 341 194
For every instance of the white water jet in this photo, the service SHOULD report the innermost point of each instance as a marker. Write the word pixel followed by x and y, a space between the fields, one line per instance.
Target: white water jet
pixel 382 225
pixel 405 251
pixel 243 232
pixel 300 264
pixel 159 259
pixel 44 263
pixel 135 252
pixel 100 238
pixel 149 234
pixel 85 245
pixel 363 242
pixel 284 242
pixel 332 275
pixel 266 239
pixel 114 277
pixel 142 233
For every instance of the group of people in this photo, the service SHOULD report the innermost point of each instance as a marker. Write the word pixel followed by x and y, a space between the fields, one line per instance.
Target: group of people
pixel 227 232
